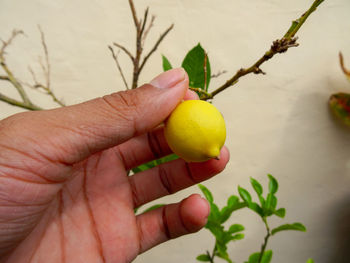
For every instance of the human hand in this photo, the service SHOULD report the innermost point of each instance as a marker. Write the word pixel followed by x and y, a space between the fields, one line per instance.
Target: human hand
pixel 65 193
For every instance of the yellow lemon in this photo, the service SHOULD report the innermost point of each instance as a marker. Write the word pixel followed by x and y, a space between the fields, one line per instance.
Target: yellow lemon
pixel 195 131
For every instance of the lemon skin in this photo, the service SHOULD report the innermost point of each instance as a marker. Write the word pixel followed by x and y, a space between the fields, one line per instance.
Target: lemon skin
pixel 195 131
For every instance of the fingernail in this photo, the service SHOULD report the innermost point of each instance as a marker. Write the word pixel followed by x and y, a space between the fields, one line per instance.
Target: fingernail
pixel 208 207
pixel 169 78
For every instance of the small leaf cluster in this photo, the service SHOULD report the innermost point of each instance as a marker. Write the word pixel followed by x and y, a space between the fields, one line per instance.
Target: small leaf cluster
pixel 266 207
pixel 216 219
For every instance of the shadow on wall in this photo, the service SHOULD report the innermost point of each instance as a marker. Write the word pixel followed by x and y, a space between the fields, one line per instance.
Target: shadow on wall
pixel 313 168
pixel 341 227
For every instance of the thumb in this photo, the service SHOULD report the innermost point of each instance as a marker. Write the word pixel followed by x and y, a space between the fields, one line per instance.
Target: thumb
pixel 70 134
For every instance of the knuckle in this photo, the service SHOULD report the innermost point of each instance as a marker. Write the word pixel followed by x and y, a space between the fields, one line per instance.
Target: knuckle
pixel 125 105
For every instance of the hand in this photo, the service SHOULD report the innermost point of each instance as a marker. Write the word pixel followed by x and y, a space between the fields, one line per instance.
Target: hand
pixel 65 193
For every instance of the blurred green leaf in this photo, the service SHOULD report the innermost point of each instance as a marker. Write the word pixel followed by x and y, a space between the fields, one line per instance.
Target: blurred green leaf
pixel 153 207
pixel 237 236
pixel 257 186
pixel 216 229
pixel 262 201
pixel 270 204
pixel 194 66
pixel 232 200
pixel 266 258
pixel 310 260
pixel 144 167
pixel 208 195
pixel 235 228
pixel 244 195
pixel 256 208
pixel 203 258
pixel 233 204
pixel 273 184
pixel 166 64
pixel 280 212
pixel 340 107
pixel 295 226
pixel 222 252
pixel 154 163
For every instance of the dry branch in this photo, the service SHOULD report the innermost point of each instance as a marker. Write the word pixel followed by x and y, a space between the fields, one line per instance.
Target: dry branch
pixel 142 27
pixel 278 46
pixel 45 66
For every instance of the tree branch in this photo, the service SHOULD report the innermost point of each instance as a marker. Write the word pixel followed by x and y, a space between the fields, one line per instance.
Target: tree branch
pixel 278 46
pixel 150 25
pixel 17 103
pixel 45 66
pixel 162 36
pixel 134 15
pixel 4 78
pixel 125 50
pixel 144 21
pixel 142 30
pixel 342 65
pixel 115 57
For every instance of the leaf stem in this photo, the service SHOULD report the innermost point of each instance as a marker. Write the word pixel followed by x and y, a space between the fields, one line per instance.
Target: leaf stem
pixel 278 46
pixel 266 239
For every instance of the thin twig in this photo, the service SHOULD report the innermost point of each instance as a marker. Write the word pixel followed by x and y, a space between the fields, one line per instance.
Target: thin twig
pixel 278 46
pixel 5 44
pixel 47 69
pixel 134 15
pixel 162 36
pixel 144 21
pixel 142 29
pixel 266 239
pixel 115 57
pixel 4 78
pixel 125 50
pixel 45 66
pixel 218 74
pixel 150 25
pixel 8 72
pixel 342 65
pixel 17 103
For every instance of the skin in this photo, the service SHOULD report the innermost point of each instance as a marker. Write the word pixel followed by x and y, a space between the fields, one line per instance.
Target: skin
pixel 65 195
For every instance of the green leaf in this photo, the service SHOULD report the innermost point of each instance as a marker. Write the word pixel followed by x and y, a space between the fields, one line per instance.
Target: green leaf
pixel 256 208
pixel 203 258
pixel 257 186
pixel 232 200
pixel 154 163
pixel 280 212
pixel 153 207
pixel 266 258
pixel 215 214
pixel 233 204
pixel 270 204
pixel 235 228
pixel 216 229
pixel 222 252
pixel 143 167
pixel 244 195
pixel 273 184
pixel 295 226
pixel 237 236
pixel 194 66
pixel 208 195
pixel 166 63
pixel 339 104
pixel 310 260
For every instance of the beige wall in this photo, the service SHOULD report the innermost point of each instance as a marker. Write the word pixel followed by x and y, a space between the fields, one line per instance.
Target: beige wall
pixel 278 123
